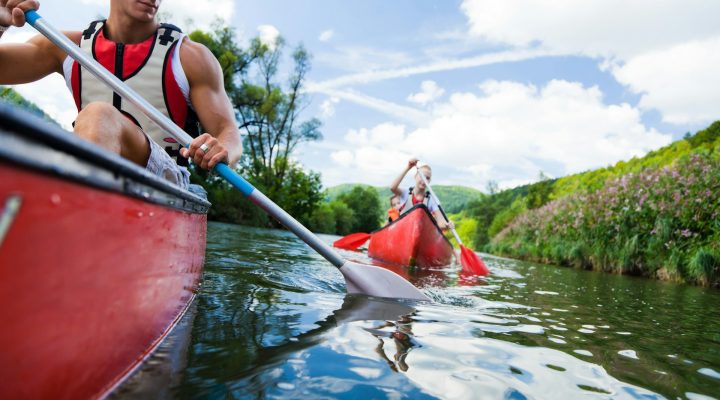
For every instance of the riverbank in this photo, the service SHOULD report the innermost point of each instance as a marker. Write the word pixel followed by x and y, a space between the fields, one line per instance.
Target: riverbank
pixel 661 223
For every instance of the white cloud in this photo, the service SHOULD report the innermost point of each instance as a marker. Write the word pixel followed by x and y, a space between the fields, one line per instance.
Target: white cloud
pixel 202 13
pixel 344 158
pixel 508 132
pixel 607 28
pixel 21 35
pixel 362 58
pixel 268 35
pixel 667 51
pixel 382 135
pixel 402 113
pixel 327 107
pixel 325 36
pixel 429 91
pixel 370 74
pixel 682 81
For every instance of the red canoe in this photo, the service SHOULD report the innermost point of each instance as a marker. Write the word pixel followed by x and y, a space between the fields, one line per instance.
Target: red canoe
pixel 414 239
pixel 98 261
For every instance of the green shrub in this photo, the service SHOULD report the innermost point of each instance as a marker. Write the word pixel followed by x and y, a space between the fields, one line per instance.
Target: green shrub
pixel 704 267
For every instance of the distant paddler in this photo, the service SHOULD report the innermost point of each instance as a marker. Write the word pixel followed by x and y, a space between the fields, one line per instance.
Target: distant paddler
pixel 419 193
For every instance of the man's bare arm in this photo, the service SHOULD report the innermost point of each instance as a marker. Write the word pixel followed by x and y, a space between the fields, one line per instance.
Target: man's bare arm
pixel 30 61
pixel 207 94
pixel 395 185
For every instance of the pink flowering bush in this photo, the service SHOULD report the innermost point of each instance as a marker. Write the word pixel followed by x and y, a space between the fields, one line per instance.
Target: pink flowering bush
pixel 663 221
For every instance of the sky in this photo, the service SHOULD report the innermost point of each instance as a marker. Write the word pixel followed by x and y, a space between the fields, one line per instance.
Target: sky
pixel 482 90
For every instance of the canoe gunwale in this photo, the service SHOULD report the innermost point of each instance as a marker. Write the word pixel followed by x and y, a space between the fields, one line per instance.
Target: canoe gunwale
pixel 33 143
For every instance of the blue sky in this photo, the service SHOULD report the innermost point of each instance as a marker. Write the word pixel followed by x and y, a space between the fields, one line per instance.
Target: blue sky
pixel 480 89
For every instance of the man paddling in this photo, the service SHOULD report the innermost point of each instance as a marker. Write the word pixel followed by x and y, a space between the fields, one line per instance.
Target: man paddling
pixel 177 76
pixel 418 193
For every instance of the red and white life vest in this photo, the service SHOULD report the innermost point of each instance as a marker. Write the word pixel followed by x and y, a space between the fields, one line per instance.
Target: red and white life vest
pixel 147 67
pixel 411 201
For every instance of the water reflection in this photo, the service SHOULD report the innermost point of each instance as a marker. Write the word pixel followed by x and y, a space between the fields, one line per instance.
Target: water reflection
pixel 401 335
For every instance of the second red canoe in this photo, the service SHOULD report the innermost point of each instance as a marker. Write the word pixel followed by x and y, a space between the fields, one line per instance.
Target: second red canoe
pixel 412 240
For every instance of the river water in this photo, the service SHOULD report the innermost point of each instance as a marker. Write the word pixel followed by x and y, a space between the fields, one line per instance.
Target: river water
pixel 272 320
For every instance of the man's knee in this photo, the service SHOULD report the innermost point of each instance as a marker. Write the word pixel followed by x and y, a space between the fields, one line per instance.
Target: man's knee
pixel 97 112
pixel 98 120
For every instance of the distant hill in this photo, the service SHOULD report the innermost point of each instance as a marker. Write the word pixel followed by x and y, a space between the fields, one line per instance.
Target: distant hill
pixel 13 97
pixel 453 198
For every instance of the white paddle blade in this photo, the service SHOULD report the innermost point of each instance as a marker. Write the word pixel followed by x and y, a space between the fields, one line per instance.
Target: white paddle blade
pixel 379 282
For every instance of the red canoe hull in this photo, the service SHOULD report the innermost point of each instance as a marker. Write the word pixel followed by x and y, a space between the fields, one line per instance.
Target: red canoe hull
pixel 412 240
pixel 89 284
pixel 91 279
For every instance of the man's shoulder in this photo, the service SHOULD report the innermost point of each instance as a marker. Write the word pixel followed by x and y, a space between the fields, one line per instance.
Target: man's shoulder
pixel 194 51
pixel 198 61
pixel 74 36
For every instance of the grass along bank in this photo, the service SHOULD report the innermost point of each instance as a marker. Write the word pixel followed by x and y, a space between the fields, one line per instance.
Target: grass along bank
pixel 661 222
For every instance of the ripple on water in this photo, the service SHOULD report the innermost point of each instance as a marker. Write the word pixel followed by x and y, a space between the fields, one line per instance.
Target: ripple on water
pixel 499 365
pixel 556 340
pixel 583 353
pixel 698 396
pixel 629 354
pixel 709 372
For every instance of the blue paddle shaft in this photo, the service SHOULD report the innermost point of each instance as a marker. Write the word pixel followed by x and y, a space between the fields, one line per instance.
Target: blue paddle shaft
pixel 281 215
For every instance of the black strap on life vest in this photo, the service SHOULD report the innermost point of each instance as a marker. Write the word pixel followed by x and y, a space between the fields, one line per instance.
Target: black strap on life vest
pixel 427 193
pixel 90 31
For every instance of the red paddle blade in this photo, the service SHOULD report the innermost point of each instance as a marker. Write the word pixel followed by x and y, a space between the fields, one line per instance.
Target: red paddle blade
pixel 352 241
pixel 471 263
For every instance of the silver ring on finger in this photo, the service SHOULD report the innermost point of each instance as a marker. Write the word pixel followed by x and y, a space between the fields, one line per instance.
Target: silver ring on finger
pixel 204 147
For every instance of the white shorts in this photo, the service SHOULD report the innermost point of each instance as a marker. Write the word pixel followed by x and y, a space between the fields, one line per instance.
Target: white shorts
pixel 161 164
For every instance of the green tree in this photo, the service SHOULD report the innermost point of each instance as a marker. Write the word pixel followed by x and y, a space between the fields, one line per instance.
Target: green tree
pixel 323 219
pixel 539 193
pixel 301 193
pixel 268 113
pixel 364 203
pixel 13 97
pixel 344 218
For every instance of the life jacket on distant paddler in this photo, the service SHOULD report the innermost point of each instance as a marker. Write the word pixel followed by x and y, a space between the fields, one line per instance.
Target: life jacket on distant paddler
pixel 152 68
pixel 411 201
pixel 393 214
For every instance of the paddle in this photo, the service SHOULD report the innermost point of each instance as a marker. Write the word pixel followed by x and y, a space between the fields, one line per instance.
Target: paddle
pixel 468 259
pixel 359 278
pixel 352 241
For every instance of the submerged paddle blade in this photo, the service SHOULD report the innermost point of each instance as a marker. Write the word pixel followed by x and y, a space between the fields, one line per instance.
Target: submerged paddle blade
pixel 472 263
pixel 352 241
pixel 378 282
